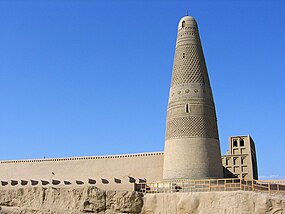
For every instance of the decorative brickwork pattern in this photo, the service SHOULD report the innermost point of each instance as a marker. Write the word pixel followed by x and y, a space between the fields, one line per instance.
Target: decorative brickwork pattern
pixel 189 65
pixel 192 147
pixel 191 127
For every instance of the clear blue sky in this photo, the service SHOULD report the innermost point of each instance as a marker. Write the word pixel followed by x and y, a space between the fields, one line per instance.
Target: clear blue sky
pixel 92 77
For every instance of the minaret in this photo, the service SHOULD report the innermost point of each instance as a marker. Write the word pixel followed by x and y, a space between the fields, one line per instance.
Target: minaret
pixel 192 148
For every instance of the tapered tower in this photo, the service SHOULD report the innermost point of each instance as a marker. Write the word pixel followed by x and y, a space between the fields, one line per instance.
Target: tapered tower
pixel 192 148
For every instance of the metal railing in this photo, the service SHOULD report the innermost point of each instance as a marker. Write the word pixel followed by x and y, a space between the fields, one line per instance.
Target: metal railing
pixel 211 185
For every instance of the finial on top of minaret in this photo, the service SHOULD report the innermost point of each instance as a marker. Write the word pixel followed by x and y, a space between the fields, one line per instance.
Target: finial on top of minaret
pixel 186 12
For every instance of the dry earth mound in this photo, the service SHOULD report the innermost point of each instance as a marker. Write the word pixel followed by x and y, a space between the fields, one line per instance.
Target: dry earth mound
pixel 66 201
pixel 234 202
pixel 50 200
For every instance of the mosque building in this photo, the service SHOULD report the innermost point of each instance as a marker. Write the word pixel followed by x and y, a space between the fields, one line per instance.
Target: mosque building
pixel 192 146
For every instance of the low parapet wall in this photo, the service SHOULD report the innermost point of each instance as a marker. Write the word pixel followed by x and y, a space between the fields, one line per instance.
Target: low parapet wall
pixel 116 172
pixel 213 185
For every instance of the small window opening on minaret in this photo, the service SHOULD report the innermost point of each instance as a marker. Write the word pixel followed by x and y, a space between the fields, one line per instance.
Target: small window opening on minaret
pixel 183 24
pixel 241 142
pixel 235 143
pixel 187 108
pixel 183 55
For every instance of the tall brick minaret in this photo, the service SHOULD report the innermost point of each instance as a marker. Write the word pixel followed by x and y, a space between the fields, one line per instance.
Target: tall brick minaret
pixel 192 148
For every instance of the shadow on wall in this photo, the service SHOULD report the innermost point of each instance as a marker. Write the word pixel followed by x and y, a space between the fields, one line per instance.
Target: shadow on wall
pixel 104 181
pixel 117 180
pixel 228 174
pixel 79 182
pixel 56 182
pixel 132 180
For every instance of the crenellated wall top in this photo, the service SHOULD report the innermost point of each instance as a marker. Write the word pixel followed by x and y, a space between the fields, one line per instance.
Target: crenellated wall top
pixel 83 158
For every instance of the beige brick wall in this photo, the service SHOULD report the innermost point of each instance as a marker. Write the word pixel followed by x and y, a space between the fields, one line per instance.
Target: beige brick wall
pixel 117 171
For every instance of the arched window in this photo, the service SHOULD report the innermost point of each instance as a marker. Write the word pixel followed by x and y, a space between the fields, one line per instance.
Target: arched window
pixel 241 142
pixel 235 143
pixel 242 160
pixel 183 24
pixel 187 108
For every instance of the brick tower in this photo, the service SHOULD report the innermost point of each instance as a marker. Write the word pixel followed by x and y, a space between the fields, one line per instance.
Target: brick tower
pixel 192 148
